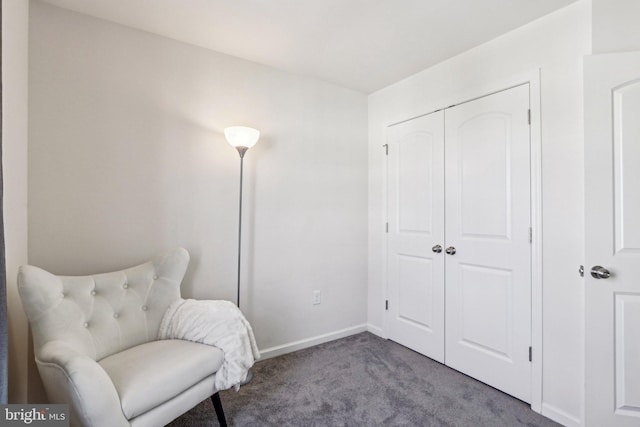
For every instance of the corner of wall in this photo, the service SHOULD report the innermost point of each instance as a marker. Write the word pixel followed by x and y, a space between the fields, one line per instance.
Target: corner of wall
pixel 15 35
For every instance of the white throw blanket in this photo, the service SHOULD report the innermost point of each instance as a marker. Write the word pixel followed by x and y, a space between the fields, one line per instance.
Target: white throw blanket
pixel 216 323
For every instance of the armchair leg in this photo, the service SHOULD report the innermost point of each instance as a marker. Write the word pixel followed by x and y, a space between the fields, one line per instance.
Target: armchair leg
pixel 217 405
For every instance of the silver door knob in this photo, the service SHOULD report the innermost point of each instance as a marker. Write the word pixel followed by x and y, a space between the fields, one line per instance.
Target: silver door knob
pixel 450 250
pixel 598 272
pixel 437 249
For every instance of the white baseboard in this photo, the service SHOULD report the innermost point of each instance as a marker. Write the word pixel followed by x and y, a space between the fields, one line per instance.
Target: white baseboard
pixel 560 416
pixel 375 330
pixel 279 350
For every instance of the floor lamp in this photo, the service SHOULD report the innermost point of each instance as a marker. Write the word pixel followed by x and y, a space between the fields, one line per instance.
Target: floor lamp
pixel 241 138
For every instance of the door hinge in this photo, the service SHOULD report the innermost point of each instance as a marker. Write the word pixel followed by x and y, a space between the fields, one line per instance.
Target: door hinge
pixel 386 149
pixel 386 305
pixel 529 116
pixel 530 235
pixel 386 227
pixel 530 354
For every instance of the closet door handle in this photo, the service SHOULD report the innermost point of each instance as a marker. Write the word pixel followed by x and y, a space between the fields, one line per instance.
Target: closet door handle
pixel 437 249
pixel 598 272
pixel 450 250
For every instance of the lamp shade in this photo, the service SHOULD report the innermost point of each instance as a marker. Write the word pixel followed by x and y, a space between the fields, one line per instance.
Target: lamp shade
pixel 241 136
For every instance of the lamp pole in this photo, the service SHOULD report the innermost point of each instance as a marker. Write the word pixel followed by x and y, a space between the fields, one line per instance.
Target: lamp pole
pixel 241 151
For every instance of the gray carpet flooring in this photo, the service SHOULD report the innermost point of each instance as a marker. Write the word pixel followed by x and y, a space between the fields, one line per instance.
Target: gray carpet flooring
pixel 362 380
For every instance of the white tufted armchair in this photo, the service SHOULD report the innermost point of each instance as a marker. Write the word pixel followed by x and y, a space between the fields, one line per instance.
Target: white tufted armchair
pixel 96 347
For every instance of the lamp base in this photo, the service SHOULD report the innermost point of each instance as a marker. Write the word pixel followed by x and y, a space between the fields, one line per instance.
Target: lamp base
pixel 248 379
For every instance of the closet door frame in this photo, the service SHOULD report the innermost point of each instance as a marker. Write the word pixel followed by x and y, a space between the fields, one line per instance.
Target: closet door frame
pixel 483 89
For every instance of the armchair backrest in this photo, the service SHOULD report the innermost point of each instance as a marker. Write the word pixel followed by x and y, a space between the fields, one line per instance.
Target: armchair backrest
pixel 101 314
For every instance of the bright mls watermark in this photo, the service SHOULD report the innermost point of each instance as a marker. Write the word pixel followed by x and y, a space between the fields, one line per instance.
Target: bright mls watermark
pixel 34 415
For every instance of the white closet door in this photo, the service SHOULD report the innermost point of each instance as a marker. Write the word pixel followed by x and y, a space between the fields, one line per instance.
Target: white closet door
pixel 415 316
pixel 612 220
pixel 488 279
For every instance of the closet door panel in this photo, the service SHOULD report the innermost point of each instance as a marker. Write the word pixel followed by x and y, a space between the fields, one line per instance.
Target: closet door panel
pixel 415 176
pixel 484 172
pixel 488 278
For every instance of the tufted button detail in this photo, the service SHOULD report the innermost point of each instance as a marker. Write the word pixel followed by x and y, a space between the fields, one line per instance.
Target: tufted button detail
pixel 116 315
pixel 145 308
pixel 125 286
pixel 93 293
pixel 155 277
pixel 85 325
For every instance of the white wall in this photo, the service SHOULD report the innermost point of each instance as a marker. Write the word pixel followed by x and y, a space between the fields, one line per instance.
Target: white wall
pixel 127 158
pixel 556 45
pixel 615 26
pixel 15 32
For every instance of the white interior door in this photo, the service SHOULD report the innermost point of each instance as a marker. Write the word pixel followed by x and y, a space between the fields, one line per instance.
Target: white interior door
pixel 488 278
pixel 415 291
pixel 612 238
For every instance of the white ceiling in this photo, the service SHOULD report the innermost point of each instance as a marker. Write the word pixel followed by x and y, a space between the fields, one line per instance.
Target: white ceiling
pixel 360 44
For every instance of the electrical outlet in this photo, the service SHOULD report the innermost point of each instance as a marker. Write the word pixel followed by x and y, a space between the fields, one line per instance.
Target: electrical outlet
pixel 317 298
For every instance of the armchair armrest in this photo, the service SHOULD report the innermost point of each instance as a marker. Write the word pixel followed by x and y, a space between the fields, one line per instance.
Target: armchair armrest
pixel 74 378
